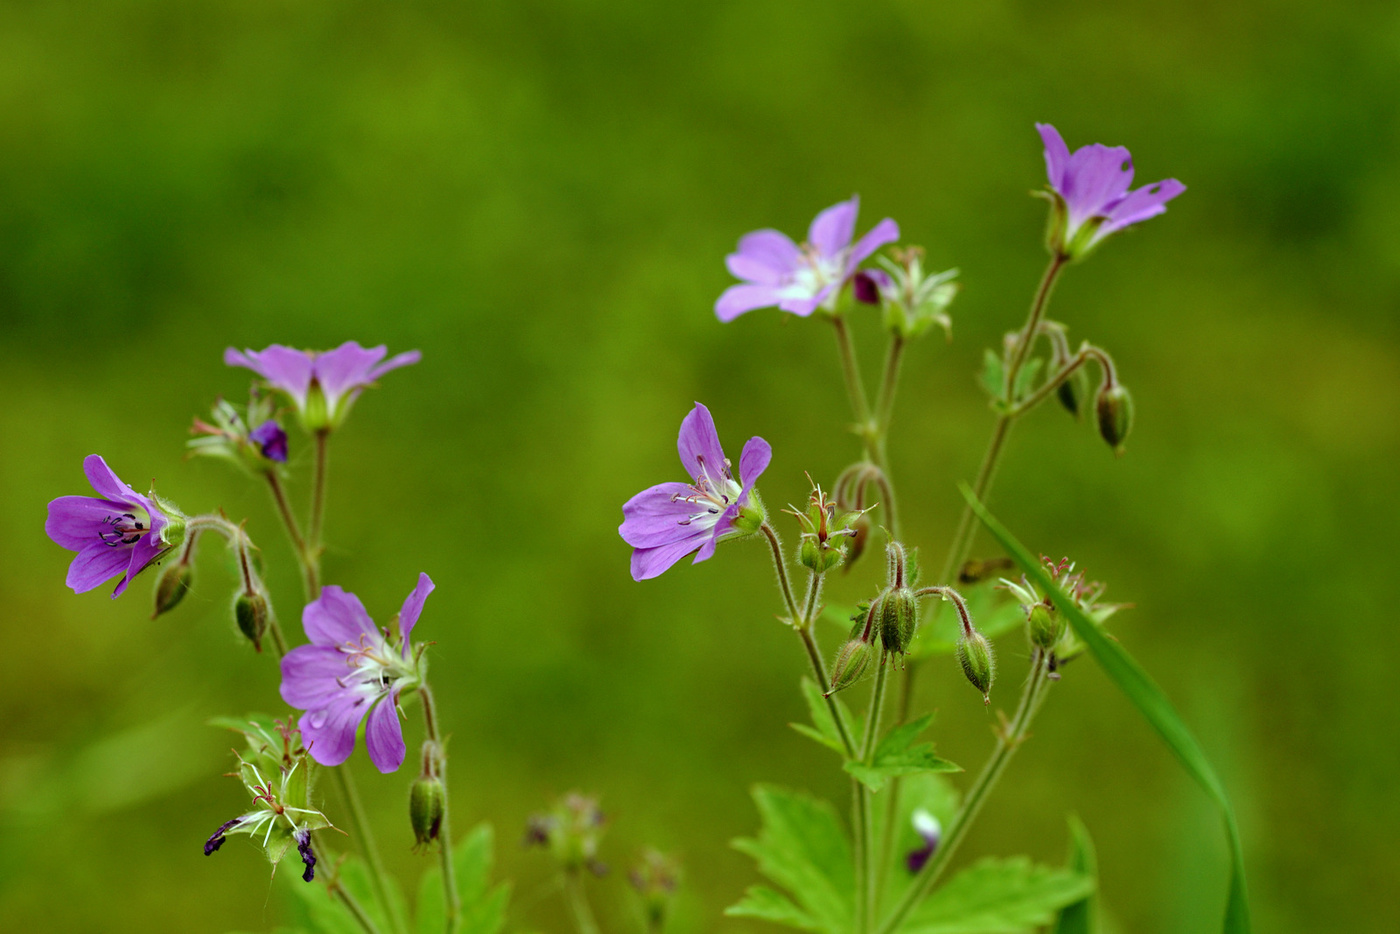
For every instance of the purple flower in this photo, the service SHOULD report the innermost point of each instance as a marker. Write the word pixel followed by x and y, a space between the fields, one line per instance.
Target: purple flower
pixel 323 384
pixel 1091 192
pixel 777 271
pixel 271 441
pixel 119 531
pixel 928 828
pixel 351 669
pixel 670 520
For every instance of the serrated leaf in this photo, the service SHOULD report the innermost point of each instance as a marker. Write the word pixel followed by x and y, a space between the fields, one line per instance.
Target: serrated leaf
pixel 483 905
pixel 898 754
pixel 997 896
pixel 1149 699
pixel 825 731
pixel 802 847
pixel 929 791
pixel 1080 917
pixel 768 905
pixel 820 737
pixel 993 373
pixel 1026 378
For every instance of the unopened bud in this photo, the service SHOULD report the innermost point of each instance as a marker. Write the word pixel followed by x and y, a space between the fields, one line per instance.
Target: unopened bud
pixel 1073 391
pixel 1115 411
pixel 975 657
pixel 427 802
pixel 818 557
pixel 271 441
pixel 861 527
pixel 250 611
pixel 850 666
pixel 1046 625
pixel 171 587
pixel 898 617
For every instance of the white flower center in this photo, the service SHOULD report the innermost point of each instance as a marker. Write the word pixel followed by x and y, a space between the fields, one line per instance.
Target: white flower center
pixel 815 273
pixel 710 495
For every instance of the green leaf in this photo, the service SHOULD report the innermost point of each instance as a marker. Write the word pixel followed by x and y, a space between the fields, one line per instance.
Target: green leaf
pixel 1026 378
pixel 929 791
pixel 802 847
pixel 898 755
pixel 1080 917
pixel 1150 701
pixel 483 905
pixel 997 896
pixel 767 905
pixel 993 374
pixel 825 732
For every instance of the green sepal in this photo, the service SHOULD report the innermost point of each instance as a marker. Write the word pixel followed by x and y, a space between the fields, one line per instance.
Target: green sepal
pixel 1025 379
pixel 898 754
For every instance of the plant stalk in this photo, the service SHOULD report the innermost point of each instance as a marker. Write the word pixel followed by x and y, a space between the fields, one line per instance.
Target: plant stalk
pixel 452 898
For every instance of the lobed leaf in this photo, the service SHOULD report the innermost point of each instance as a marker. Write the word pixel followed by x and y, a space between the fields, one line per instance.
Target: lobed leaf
pixel 1080 917
pixel 768 905
pixel 898 754
pixel 998 896
pixel 483 905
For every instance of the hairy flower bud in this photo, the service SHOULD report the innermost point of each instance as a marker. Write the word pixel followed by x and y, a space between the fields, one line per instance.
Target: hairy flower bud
pixel 850 665
pixel 978 664
pixel 171 587
pixel 250 612
pixel 1045 625
pixel 427 802
pixel 898 617
pixel 1115 412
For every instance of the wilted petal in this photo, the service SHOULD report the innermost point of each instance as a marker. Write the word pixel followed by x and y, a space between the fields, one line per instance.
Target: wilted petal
pixel 413 608
pixel 738 299
pixel 832 230
pixel 384 735
pixel 698 444
pixel 336 617
pixel 96 564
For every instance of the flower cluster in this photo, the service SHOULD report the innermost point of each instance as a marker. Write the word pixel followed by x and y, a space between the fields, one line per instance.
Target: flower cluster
pixel 322 385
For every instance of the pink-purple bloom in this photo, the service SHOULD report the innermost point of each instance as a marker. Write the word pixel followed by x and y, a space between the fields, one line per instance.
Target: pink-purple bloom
pixel 352 669
pixel 324 384
pixel 1091 187
pixel 119 531
pixel 670 520
pixel 800 279
pixel 271 441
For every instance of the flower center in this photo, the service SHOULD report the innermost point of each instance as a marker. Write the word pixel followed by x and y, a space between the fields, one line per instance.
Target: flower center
pixel 375 666
pixel 818 270
pixel 123 529
pixel 710 495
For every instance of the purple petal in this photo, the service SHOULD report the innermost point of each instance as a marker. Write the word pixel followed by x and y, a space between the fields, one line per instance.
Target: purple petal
pixel 707 550
pixel 803 307
pixel 652 517
pixel 384 735
pixel 394 362
pixel 754 461
pixel 771 249
pixel 146 549
pixel 287 369
pixel 699 444
pixel 106 482
pixel 887 231
pixel 75 522
pixel 413 607
pixel 336 617
pixel 96 564
pixel 1147 201
pixel 1097 176
pixel 650 562
pixel 329 733
pixel 738 299
pixel 833 228
pixel 1056 155
pixel 346 367
pixel 309 674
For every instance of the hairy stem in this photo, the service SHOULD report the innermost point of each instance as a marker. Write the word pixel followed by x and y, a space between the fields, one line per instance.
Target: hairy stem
pixel 452 898
pixel 289 522
pixel 869 883
pixel 1007 744
pixel 780 564
pixel 850 368
pixel 359 823
pixel 312 562
pixel 884 407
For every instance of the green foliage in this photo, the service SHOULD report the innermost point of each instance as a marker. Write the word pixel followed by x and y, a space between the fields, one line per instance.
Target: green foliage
pixel 1080 917
pixel 998 896
pixel 993 374
pixel 1149 699
pixel 898 754
pixel 825 731
pixel 993 612
pixel 483 905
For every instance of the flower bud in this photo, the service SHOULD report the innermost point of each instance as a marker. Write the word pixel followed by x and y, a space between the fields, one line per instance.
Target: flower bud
pixel 850 666
pixel 1115 411
pixel 1073 391
pixel 861 527
pixel 271 441
pixel 250 612
pixel 975 657
pixel 171 587
pixel 898 615
pixel 1045 624
pixel 427 801
pixel 865 287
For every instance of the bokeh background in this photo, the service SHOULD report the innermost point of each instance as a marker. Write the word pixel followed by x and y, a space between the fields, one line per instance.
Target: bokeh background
pixel 540 195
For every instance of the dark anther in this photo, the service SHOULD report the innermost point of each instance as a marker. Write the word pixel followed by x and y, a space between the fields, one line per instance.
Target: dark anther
pixel 217 840
pixel 303 838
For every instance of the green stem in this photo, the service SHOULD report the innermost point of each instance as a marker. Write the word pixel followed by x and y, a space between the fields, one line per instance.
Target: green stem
pixel 352 905
pixel 1007 744
pixel 869 883
pixel 781 565
pixel 578 902
pixel 359 823
pixel 884 407
pixel 289 522
pixel 312 562
pixel 240 542
pixel 1086 353
pixel 452 898
pixel 850 368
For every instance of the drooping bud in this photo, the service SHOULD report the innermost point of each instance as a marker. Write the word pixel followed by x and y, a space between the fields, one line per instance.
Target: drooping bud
pixel 899 617
pixel 427 802
pixel 250 612
pixel 1073 392
pixel 850 666
pixel 171 587
pixel 1045 625
pixel 978 664
pixel 1115 412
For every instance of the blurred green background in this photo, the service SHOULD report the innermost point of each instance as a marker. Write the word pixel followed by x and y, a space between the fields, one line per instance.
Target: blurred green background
pixel 540 195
